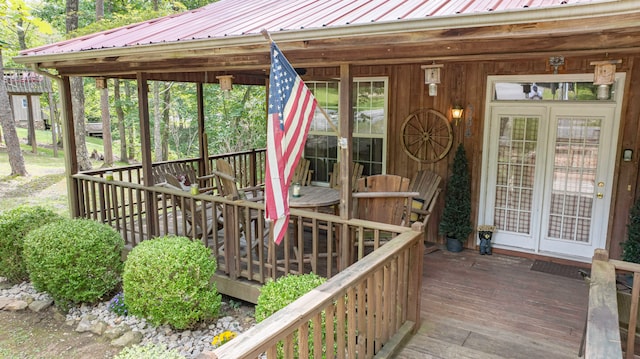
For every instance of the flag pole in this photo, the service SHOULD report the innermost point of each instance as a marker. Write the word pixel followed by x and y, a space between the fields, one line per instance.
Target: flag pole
pixel 266 34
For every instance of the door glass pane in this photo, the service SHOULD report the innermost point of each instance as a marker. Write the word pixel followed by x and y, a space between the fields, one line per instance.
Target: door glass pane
pixel 515 173
pixel 574 174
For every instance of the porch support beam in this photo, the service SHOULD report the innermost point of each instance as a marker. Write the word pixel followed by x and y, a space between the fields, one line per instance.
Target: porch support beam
pixel 69 143
pixel 346 150
pixel 145 144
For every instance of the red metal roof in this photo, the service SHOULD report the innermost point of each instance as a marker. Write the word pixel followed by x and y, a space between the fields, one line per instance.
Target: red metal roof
pixel 236 18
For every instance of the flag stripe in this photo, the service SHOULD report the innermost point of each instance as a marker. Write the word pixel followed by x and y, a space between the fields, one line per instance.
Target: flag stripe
pixel 291 110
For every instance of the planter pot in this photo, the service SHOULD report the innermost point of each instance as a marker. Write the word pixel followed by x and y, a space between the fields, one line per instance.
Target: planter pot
pixel 454 245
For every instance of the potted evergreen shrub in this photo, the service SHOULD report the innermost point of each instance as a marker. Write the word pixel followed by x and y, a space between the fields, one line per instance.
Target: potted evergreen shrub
pixel 631 247
pixel 455 224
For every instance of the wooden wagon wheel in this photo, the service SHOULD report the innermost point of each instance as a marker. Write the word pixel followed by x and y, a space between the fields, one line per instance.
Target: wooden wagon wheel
pixel 426 136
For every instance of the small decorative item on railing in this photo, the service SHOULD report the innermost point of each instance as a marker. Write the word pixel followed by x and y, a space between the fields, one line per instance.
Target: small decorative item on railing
pixel 194 189
pixel 485 232
pixel 109 175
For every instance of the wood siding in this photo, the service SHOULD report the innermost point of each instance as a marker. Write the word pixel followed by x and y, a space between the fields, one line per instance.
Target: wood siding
pixel 465 83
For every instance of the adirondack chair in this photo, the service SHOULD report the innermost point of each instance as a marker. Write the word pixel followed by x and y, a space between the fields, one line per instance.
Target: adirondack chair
pixel 383 198
pixel 302 174
pixel 356 174
pixel 427 184
pixel 197 221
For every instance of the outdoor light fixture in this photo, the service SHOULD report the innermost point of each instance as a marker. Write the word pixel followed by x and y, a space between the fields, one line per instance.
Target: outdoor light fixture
pixel 604 76
pixel 226 83
pixel 456 113
pixel 101 83
pixel 432 77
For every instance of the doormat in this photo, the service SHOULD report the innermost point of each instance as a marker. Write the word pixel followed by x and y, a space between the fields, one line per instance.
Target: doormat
pixel 557 269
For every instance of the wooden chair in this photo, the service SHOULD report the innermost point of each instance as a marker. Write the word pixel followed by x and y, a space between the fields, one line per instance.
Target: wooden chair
pixel 383 198
pixel 427 184
pixel 227 186
pixel 302 174
pixel 197 221
pixel 356 174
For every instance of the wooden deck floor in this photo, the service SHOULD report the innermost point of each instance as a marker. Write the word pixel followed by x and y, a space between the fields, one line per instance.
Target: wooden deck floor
pixel 495 307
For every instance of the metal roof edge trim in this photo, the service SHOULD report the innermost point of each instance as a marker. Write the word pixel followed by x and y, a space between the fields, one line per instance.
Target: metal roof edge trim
pixel 565 12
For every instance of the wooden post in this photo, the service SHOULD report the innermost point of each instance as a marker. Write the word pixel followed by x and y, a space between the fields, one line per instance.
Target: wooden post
pixel 31 123
pixel 69 143
pixel 145 144
pixel 415 278
pixel 345 134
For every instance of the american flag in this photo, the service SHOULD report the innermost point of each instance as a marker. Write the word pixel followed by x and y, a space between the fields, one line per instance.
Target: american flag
pixel 291 109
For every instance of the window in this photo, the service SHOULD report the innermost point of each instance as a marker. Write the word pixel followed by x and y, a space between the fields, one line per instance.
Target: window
pixel 553 91
pixel 369 128
pixel 24 103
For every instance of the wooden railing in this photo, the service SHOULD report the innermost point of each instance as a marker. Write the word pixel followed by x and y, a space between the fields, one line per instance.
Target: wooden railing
pixel 235 230
pixel 611 308
pixel 249 167
pixel 362 312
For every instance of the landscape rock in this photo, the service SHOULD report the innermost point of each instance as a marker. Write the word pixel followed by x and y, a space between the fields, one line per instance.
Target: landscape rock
pixel 4 301
pixel 116 332
pixel 40 305
pixel 99 327
pixel 16 305
pixel 127 339
pixel 84 325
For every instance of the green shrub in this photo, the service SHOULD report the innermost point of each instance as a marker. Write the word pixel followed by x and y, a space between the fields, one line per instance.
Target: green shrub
pixel 275 295
pixel 75 261
pixel 168 280
pixel 149 351
pixel 14 226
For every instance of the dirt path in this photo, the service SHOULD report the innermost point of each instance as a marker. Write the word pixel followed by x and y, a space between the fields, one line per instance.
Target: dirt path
pixel 27 334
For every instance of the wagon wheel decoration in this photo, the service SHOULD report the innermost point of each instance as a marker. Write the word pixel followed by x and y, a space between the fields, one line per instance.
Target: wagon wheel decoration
pixel 426 136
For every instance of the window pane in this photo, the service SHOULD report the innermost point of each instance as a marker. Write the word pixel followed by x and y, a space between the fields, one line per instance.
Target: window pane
pixel 554 91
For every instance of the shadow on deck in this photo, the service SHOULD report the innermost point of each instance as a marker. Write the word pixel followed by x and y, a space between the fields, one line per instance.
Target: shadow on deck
pixel 496 307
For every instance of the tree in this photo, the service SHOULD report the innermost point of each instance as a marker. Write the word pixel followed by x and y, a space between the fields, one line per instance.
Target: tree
pixel 107 143
pixel 77 95
pixel 9 129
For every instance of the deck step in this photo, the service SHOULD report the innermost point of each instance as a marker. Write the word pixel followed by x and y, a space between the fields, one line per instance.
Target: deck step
pixel 431 348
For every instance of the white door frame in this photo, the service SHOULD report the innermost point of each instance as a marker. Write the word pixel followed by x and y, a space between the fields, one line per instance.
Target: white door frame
pixel 486 169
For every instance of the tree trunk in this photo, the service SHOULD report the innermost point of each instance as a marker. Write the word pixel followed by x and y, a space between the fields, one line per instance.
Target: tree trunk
pixel 99 9
pixel 165 121
pixel 16 161
pixel 107 143
pixel 120 114
pixel 157 125
pixel 130 129
pixel 77 101
pixel 77 95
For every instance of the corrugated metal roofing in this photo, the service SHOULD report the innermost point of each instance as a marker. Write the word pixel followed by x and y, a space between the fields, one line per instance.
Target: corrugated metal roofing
pixel 236 18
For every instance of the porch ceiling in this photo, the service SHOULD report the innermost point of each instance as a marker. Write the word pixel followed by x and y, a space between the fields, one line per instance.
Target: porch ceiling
pixel 599 28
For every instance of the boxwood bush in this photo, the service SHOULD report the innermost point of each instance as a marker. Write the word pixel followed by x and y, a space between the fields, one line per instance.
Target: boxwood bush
pixel 275 295
pixel 168 280
pixel 14 226
pixel 75 261
pixel 148 351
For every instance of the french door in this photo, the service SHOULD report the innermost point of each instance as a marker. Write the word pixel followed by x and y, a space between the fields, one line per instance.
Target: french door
pixel 548 176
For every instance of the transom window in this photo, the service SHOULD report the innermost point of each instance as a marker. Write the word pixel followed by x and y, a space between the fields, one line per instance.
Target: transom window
pixel 369 127
pixel 552 91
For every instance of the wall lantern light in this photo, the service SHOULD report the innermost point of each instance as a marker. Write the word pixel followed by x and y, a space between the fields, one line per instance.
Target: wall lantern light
pixel 432 77
pixel 456 113
pixel 226 83
pixel 604 75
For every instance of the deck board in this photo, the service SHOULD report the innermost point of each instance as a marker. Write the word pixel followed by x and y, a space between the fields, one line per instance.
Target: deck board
pixel 494 306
